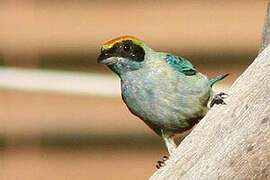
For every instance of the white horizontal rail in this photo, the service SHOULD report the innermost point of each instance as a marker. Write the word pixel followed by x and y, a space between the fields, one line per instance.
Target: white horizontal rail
pixel 80 83
pixel 59 81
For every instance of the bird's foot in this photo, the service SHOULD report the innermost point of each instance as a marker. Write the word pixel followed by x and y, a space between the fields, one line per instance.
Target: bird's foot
pixel 161 163
pixel 218 99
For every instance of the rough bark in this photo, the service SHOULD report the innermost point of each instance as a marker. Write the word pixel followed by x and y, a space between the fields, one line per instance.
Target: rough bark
pixel 233 140
pixel 266 29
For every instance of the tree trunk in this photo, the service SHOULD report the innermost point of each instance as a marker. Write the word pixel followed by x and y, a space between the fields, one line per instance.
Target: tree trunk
pixel 232 141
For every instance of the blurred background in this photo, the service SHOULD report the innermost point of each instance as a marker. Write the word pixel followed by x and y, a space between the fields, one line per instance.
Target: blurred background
pixel 62 116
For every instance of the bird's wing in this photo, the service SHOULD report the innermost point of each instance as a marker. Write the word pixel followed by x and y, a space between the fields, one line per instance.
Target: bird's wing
pixel 181 64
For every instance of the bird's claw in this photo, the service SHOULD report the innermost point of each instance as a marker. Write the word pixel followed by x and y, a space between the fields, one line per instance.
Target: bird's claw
pixel 161 163
pixel 218 99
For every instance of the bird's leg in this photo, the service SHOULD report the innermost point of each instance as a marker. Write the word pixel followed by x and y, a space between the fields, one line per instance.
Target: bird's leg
pixel 171 146
pixel 218 99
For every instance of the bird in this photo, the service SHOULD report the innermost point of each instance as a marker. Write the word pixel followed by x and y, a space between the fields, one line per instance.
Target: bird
pixel 162 89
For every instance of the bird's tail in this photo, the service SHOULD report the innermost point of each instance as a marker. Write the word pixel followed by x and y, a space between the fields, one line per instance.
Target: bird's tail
pixel 216 79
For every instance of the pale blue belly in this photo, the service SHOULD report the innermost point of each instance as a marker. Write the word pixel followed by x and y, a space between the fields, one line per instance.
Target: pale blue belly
pixel 167 104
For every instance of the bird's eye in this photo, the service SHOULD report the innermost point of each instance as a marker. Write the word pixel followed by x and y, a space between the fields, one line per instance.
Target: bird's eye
pixel 126 47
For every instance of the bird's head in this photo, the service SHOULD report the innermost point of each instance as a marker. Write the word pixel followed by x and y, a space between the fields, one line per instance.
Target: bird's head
pixel 123 54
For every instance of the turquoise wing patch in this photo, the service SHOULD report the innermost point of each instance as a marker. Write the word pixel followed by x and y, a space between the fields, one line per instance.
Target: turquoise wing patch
pixel 181 64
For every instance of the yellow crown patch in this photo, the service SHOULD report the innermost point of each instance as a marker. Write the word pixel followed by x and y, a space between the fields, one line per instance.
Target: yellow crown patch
pixel 110 43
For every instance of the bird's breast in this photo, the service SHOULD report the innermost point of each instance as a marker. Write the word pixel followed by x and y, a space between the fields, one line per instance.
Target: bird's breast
pixel 165 99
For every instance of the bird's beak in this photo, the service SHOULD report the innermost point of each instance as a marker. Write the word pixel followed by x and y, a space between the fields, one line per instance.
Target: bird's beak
pixel 106 58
